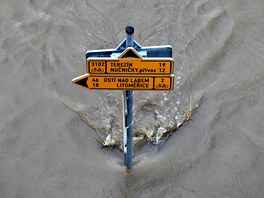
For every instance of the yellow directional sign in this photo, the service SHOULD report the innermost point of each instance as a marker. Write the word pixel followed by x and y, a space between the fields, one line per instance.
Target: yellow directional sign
pixel 130 62
pixel 125 82
pixel 136 66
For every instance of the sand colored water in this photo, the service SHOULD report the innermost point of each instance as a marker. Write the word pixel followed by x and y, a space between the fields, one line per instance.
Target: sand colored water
pixel 49 128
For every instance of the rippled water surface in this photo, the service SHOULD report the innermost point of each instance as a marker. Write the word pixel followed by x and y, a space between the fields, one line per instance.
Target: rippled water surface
pixel 49 128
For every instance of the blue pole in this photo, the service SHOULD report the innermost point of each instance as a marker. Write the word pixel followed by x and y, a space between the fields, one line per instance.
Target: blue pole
pixel 128 108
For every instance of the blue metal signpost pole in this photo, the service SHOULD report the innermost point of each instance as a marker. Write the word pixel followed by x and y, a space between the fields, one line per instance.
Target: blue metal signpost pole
pixel 128 108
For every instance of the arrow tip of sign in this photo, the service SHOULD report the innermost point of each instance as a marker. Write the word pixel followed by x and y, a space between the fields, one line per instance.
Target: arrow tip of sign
pixel 130 53
pixel 81 81
pixel 130 30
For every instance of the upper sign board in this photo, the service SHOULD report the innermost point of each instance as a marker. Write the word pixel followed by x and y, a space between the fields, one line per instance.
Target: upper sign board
pixel 130 62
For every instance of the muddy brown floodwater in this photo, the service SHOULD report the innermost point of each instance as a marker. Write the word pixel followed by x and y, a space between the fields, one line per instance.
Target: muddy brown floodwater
pixel 49 128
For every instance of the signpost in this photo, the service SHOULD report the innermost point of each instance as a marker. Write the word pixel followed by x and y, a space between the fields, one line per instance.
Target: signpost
pixel 128 67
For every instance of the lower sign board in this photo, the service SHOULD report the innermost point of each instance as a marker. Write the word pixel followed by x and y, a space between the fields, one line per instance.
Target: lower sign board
pixel 125 82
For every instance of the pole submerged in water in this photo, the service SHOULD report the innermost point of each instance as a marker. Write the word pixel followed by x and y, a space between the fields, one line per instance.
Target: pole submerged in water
pixel 96 67
pixel 128 110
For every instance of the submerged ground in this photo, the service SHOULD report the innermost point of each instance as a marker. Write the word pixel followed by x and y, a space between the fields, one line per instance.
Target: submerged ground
pixel 49 127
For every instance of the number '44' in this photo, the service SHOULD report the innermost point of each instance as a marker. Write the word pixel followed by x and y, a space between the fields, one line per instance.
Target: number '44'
pixel 95 80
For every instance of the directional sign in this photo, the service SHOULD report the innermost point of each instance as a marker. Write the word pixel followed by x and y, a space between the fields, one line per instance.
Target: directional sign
pixel 125 82
pixel 137 66
pixel 130 62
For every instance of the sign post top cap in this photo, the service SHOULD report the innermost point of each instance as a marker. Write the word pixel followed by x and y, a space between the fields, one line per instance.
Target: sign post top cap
pixel 129 30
